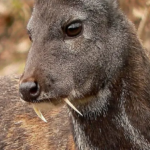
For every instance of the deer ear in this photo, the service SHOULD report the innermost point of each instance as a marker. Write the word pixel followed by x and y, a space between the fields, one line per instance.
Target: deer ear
pixel 113 3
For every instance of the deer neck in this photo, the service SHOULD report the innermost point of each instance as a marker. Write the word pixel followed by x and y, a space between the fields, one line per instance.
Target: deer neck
pixel 110 125
pixel 97 127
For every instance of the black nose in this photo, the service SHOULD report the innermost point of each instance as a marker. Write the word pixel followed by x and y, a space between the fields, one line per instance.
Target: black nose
pixel 29 91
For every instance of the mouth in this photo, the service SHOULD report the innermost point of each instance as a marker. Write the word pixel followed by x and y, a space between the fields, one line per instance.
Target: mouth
pixel 47 104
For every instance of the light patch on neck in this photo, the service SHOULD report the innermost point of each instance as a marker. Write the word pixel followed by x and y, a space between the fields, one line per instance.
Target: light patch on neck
pixel 97 106
pixel 82 140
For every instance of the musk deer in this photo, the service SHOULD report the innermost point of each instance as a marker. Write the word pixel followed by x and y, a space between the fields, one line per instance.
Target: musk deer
pixel 86 54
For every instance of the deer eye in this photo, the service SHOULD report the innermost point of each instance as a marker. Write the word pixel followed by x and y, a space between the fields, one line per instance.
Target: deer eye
pixel 74 29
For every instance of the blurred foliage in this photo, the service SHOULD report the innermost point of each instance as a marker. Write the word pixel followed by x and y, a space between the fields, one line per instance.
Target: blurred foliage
pixel 139 12
pixel 14 42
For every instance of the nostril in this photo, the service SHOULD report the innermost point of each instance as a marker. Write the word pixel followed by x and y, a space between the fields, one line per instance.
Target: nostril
pixel 34 89
pixel 29 91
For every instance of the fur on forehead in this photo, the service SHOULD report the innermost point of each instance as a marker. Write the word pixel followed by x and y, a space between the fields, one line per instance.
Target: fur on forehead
pixel 98 3
pixel 88 3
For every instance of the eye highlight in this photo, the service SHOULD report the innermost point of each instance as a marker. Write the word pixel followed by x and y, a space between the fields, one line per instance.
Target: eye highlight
pixel 73 29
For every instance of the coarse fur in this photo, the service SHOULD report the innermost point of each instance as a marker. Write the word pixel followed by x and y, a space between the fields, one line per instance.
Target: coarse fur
pixel 104 72
pixel 20 127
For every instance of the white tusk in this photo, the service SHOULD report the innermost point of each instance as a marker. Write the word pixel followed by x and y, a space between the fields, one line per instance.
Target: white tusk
pixel 22 100
pixel 38 112
pixel 72 106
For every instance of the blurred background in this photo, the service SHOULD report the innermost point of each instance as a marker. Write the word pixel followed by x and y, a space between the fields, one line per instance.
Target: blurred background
pixel 14 41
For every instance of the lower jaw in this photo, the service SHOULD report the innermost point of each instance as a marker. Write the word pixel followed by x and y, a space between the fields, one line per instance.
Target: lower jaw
pixel 46 105
pixel 49 104
pixel 43 106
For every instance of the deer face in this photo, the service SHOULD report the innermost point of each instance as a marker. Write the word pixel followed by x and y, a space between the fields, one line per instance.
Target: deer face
pixel 77 48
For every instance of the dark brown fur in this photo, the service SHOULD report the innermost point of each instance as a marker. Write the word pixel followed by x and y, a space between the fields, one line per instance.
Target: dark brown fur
pixel 104 72
pixel 20 127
